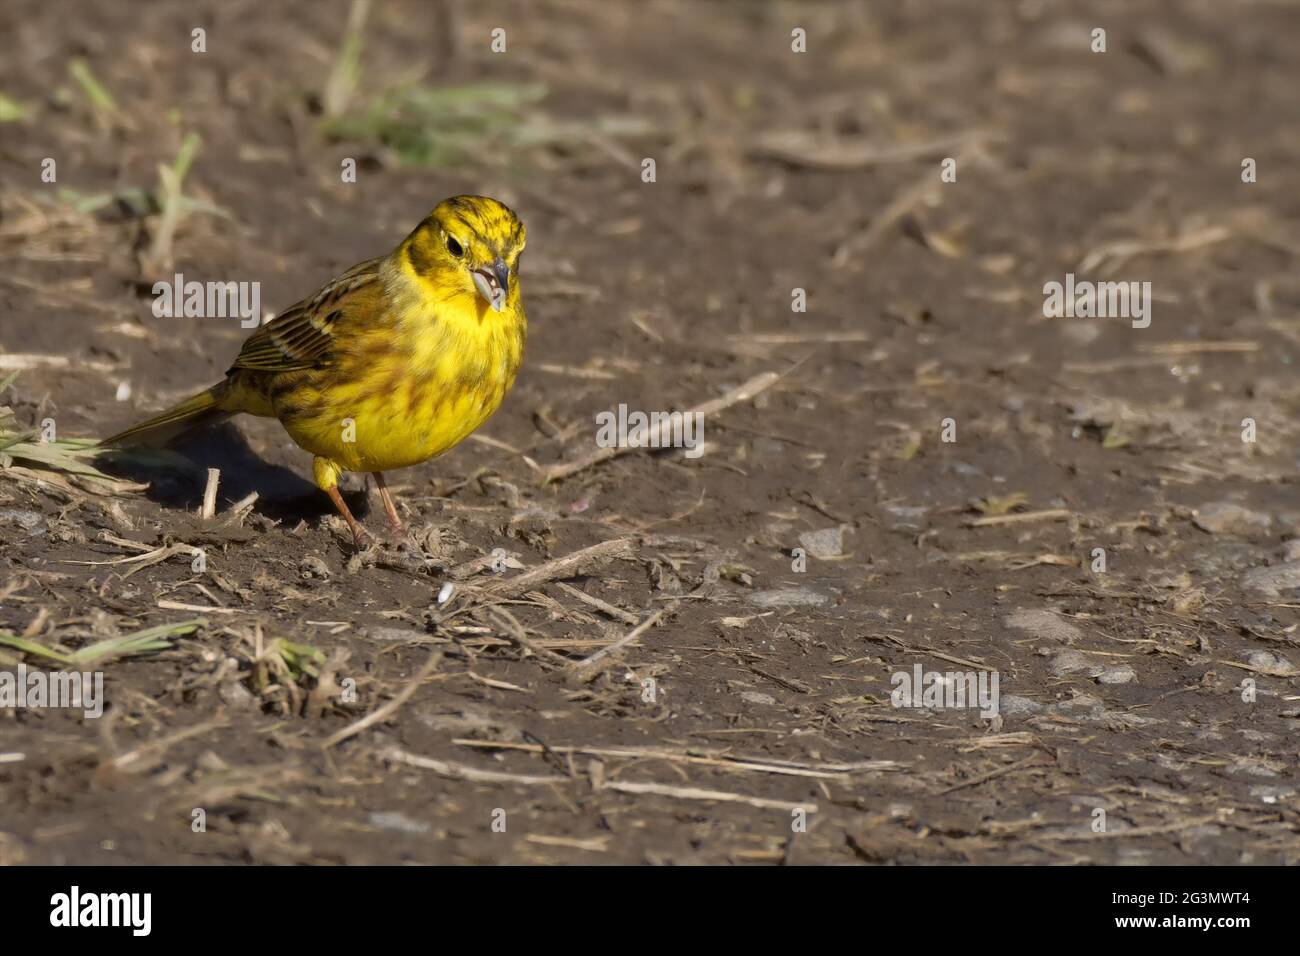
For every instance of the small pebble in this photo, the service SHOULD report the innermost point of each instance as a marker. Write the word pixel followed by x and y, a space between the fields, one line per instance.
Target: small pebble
pixel 1122 674
pixel 313 567
pixel 824 544
pixel 1067 662
pixel 788 597
pixel 395 634
pixel 399 822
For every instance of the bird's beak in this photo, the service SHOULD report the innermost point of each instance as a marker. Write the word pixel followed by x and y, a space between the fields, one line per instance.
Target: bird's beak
pixel 494 284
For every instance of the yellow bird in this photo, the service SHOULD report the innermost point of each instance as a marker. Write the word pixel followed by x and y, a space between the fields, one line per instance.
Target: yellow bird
pixel 392 363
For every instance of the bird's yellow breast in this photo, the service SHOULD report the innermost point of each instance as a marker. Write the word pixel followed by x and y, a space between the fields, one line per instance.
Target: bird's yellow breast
pixel 410 384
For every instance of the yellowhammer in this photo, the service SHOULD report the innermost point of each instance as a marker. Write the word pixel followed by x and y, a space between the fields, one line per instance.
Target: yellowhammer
pixel 397 360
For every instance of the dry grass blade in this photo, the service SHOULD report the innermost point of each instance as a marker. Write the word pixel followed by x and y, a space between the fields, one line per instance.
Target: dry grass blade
pixel 458 771
pixel 802 148
pixel 695 793
pixel 728 762
pixel 387 709
pixel 1024 517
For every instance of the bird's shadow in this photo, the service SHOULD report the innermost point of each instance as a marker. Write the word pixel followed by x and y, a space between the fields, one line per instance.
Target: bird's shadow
pixel 177 476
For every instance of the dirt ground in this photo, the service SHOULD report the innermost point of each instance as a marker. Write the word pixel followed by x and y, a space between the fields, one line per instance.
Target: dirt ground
pixel 329 709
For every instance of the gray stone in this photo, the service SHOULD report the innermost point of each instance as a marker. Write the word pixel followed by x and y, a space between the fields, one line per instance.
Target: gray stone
pixel 1121 674
pixel 1271 582
pixel 824 544
pixel 29 521
pixel 312 566
pixel 1258 736
pixel 1174 580
pixel 1012 706
pixel 395 634
pixel 1253 766
pixel 1224 517
pixel 398 822
pixel 1267 660
pixel 1067 662
pixel 1044 624
pixel 904 518
pixel 1271 793
pixel 234 694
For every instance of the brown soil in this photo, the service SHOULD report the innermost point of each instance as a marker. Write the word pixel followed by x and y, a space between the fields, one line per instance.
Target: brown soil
pixel 1123 691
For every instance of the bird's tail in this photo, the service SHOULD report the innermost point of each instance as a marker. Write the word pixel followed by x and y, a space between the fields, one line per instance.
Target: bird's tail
pixel 202 409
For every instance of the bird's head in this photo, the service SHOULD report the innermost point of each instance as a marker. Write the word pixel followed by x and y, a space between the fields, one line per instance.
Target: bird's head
pixel 468 246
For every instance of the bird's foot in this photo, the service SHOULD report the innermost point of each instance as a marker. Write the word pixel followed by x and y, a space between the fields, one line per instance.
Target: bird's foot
pixel 399 552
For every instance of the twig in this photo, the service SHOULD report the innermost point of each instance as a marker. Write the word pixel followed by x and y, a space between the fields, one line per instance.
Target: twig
pixel 384 711
pixel 1031 761
pixel 589 667
pixel 515 631
pixel 1199 348
pixel 242 507
pixel 887 218
pixel 930 652
pixel 498 684
pixel 615 612
pixel 569 566
pixel 650 437
pixel 154 749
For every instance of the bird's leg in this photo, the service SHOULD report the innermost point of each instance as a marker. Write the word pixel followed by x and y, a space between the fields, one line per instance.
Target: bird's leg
pixel 394 520
pixel 326 474
pixel 360 536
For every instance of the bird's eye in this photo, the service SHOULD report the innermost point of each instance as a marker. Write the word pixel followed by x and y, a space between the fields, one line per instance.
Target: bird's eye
pixel 455 248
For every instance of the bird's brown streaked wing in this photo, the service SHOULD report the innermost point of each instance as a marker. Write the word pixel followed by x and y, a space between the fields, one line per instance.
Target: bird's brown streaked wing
pixel 301 336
